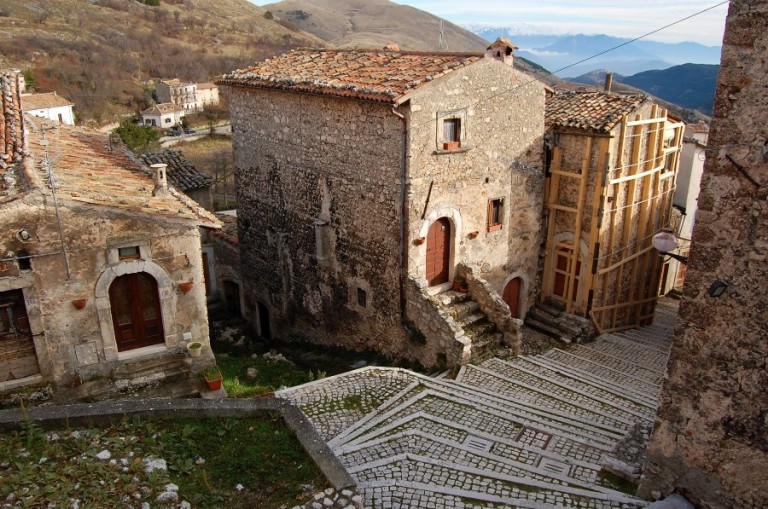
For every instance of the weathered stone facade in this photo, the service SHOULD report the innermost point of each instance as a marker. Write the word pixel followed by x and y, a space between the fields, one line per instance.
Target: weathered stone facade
pixel 336 196
pixel 710 441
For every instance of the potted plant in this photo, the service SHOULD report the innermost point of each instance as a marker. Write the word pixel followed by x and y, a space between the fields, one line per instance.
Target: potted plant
pixel 186 286
pixel 460 285
pixel 195 348
pixel 213 377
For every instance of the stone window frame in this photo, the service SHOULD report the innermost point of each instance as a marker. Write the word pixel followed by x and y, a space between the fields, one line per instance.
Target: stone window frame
pixel 492 225
pixel 165 289
pixel 354 286
pixel 459 115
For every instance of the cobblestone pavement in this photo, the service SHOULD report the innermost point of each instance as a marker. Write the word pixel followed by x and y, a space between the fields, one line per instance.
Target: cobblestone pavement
pixel 528 432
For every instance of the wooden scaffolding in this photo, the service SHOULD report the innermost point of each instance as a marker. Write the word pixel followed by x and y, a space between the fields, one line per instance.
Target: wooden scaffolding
pixel 613 202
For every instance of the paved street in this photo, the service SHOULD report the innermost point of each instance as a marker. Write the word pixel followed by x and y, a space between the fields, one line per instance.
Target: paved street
pixel 528 432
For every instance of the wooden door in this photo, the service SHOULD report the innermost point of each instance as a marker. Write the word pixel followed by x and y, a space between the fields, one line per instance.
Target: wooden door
pixel 511 296
pixel 206 274
pixel 18 358
pixel 232 298
pixel 438 252
pixel 136 311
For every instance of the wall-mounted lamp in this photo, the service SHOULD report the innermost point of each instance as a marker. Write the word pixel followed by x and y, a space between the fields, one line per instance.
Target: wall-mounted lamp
pixel 664 242
pixel 717 288
pixel 23 235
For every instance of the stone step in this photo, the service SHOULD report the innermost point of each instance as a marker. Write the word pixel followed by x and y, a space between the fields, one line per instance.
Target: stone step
pixel 629 342
pixel 132 369
pixel 548 380
pixel 537 393
pixel 450 297
pixel 468 320
pixel 548 330
pixel 614 372
pixel 479 328
pixel 645 357
pixel 633 368
pixel 619 395
pixel 463 309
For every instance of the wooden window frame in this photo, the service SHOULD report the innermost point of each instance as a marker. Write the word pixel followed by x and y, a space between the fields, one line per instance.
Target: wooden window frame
pixel 452 140
pixel 495 214
pixel 122 257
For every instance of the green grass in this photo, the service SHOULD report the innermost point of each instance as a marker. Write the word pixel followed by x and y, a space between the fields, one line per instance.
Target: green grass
pixel 39 468
pixel 270 375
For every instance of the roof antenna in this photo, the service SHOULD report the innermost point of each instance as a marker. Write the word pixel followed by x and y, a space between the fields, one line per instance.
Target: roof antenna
pixel 441 43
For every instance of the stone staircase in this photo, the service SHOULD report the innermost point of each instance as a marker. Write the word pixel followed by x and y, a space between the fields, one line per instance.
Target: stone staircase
pixel 550 318
pixel 531 432
pixel 475 324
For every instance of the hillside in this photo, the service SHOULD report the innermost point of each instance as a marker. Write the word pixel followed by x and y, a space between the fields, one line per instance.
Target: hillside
pixel 689 86
pixel 100 53
pixel 376 23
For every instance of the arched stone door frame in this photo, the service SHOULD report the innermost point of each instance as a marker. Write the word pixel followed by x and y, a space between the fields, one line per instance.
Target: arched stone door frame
pixel 165 290
pixel 522 297
pixel 453 215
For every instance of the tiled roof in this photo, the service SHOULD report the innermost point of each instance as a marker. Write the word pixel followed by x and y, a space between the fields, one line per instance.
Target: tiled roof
pixel 11 123
pixel 228 231
pixel 181 173
pixel 159 109
pixel 206 86
pixel 88 170
pixel 31 102
pixel 374 75
pixel 590 111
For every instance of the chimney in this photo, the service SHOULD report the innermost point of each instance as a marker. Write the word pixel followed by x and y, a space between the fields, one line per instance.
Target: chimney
pixel 608 81
pixel 161 181
pixel 502 51
pixel 392 46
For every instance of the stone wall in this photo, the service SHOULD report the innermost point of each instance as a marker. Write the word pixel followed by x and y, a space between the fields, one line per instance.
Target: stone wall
pixel 710 441
pixel 76 343
pixel 319 219
pixel 502 122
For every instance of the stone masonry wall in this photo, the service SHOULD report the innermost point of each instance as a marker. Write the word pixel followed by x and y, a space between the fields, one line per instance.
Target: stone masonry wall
pixel 69 342
pixel 319 220
pixel 710 441
pixel 502 122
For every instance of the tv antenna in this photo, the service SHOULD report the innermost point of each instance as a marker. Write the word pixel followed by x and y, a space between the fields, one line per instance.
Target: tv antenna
pixel 441 43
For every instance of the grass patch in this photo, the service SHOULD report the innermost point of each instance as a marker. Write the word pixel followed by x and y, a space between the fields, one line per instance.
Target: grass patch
pixel 270 375
pixel 206 458
pixel 613 481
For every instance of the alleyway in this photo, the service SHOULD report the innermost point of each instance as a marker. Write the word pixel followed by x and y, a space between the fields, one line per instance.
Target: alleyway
pixel 531 432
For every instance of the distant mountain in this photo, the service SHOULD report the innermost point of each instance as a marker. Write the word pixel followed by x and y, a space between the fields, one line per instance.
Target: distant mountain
pixel 376 23
pixel 556 52
pixel 690 86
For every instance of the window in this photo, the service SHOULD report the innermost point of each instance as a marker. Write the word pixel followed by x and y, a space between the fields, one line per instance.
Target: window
pixel 128 253
pixel 495 214
pixel 167 121
pixel 23 260
pixel 451 133
pixel 61 118
pixel 362 298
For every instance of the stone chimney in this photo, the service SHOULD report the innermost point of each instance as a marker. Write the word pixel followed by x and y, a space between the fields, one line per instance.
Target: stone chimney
pixel 392 46
pixel 11 119
pixel 502 50
pixel 608 82
pixel 161 179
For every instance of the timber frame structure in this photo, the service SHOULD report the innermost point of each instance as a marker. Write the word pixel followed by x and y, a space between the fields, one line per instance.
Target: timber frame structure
pixel 612 165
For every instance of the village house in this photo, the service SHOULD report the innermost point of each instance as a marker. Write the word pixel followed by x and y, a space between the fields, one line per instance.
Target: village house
pixel 207 94
pixel 611 165
pixel 164 115
pixel 51 106
pixel 370 180
pixel 177 92
pixel 101 276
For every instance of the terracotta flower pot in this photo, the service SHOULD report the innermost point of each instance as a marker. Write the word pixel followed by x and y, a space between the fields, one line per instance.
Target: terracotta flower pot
pixel 451 145
pixel 213 379
pixel 419 241
pixel 186 286
pixel 79 303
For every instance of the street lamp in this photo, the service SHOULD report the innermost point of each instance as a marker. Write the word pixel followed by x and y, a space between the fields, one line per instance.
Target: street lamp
pixel 664 242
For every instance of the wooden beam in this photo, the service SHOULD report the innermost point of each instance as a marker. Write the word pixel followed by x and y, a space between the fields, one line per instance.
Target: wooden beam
pixel 552 191
pixel 603 163
pixel 586 161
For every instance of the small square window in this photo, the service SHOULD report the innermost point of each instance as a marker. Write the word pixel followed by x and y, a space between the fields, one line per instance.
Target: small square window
pixel 23 260
pixel 362 298
pixel 128 253
pixel 451 129
pixel 495 214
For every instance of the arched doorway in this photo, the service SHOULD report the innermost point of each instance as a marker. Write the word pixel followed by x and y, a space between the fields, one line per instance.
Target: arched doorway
pixel 265 330
pixel 511 296
pixel 232 298
pixel 136 312
pixel 438 252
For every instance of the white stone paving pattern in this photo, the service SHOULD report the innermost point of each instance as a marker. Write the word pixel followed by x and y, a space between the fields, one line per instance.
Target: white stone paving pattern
pixel 527 432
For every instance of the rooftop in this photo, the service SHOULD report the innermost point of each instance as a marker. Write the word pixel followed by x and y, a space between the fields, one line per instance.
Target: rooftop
pixel 89 170
pixel 162 108
pixel 181 173
pixel 590 111
pixel 31 102
pixel 11 125
pixel 206 86
pixel 373 75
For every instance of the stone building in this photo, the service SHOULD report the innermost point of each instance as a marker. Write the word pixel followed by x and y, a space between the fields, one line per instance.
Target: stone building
pixel 710 441
pixel 164 115
pixel 369 180
pixel 611 171
pixel 101 277
pixel 50 105
pixel 179 93
pixel 207 94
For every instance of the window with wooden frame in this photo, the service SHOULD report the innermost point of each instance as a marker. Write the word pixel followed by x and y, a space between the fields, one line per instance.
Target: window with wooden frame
pixel 495 214
pixel 128 253
pixel 451 133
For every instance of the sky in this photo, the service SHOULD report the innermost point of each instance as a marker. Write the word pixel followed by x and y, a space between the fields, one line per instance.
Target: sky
pixel 619 18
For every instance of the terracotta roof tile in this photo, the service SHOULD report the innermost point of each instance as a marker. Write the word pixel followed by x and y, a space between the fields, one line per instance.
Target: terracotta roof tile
pixel 31 102
pixel 11 121
pixel 88 170
pixel 590 111
pixel 181 173
pixel 374 75
pixel 161 108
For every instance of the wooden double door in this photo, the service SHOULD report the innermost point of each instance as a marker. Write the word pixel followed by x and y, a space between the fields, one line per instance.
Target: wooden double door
pixel 136 311
pixel 438 252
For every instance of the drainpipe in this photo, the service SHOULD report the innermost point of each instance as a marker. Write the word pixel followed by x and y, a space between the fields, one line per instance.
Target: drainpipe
pixel 403 209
